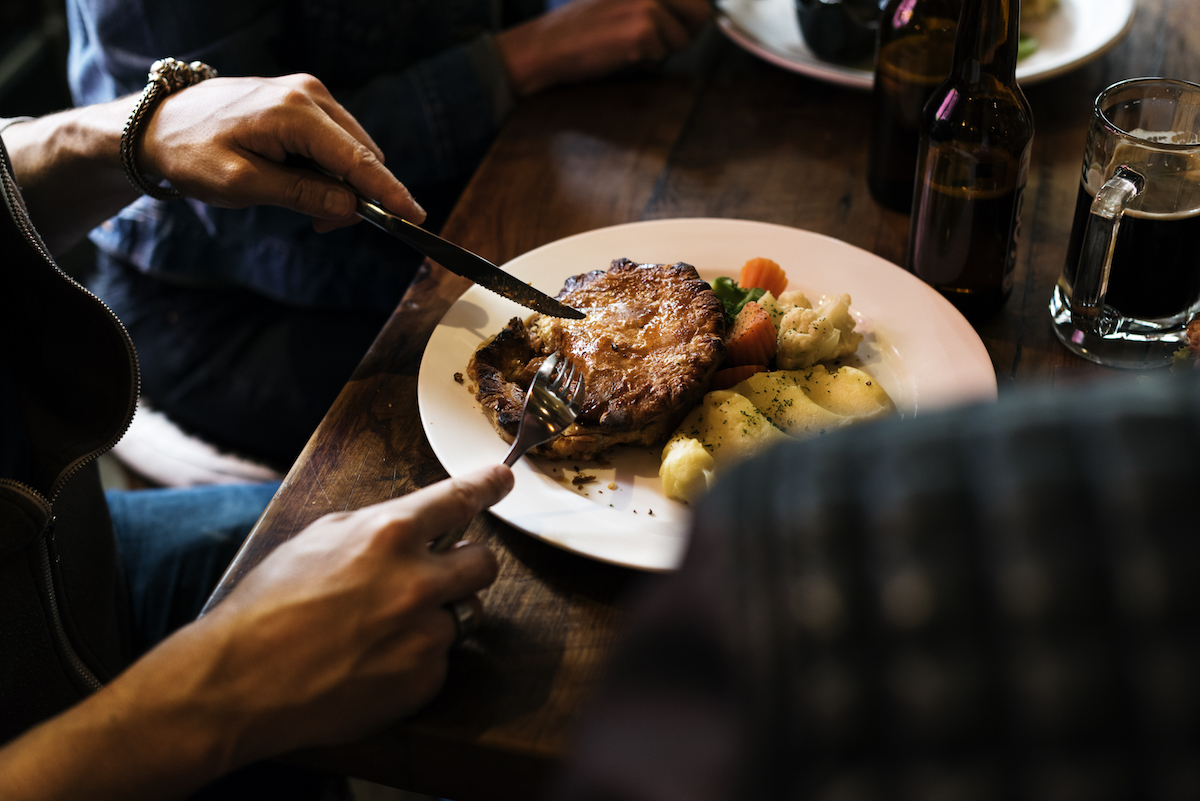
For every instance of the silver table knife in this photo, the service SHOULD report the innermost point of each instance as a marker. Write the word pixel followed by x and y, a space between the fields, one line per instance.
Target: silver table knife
pixel 463 262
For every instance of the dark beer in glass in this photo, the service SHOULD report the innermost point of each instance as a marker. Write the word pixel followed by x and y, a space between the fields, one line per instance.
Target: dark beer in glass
pixel 1131 279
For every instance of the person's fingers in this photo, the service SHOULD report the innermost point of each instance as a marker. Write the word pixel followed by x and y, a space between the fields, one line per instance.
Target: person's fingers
pixel 257 181
pixel 370 178
pixel 420 656
pixel 670 30
pixel 429 631
pixel 429 512
pixel 234 157
pixel 317 92
pixel 693 13
pixel 346 158
pixel 309 122
pixel 464 571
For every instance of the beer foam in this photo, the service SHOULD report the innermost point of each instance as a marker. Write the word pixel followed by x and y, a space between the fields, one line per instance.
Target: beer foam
pixel 1166 137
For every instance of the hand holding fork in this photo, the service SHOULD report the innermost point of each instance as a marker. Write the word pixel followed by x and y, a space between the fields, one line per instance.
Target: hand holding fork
pixel 551 405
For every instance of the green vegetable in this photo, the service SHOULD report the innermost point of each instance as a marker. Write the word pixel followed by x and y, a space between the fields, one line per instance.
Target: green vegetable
pixel 1026 46
pixel 733 297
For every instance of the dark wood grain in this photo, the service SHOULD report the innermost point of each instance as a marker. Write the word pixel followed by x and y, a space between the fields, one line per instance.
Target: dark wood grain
pixel 717 133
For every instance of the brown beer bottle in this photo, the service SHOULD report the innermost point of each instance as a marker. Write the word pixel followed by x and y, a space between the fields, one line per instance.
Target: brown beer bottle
pixel 913 56
pixel 972 161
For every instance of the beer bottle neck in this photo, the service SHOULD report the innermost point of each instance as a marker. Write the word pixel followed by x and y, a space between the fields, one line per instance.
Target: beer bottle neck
pixel 986 43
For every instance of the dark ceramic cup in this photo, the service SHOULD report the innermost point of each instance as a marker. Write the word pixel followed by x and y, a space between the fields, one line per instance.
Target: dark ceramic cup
pixel 841 31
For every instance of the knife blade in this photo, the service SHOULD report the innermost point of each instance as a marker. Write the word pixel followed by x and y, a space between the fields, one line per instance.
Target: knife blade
pixel 463 262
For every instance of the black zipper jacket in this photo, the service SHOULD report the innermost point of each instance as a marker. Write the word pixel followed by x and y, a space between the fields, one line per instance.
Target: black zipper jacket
pixel 63 613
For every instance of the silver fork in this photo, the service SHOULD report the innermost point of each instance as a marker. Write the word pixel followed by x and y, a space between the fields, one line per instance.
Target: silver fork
pixel 551 405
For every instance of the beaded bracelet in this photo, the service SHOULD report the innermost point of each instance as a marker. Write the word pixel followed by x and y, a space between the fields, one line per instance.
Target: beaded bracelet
pixel 167 75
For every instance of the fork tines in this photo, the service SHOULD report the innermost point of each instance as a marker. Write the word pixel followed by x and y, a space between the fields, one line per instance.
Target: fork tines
pixel 567 381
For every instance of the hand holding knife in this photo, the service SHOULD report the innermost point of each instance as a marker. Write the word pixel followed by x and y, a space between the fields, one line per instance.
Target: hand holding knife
pixel 454 258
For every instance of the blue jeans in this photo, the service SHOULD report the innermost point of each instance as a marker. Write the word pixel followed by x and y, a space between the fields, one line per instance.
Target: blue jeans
pixel 175 544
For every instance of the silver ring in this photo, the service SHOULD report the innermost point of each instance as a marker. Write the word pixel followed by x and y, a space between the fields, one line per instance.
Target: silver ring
pixel 465 619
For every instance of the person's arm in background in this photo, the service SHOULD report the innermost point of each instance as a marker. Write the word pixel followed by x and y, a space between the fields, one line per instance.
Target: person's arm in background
pixel 587 39
pixel 337 633
pixel 429 115
pixel 433 117
pixel 579 41
pixel 222 141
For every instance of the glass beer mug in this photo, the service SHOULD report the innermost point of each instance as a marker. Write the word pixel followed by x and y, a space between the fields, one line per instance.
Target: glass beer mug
pixel 1131 280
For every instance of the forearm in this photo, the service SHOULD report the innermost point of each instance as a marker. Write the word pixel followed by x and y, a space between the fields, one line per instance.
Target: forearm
pixel 68 166
pixel 433 109
pixel 587 39
pixel 340 631
pixel 156 732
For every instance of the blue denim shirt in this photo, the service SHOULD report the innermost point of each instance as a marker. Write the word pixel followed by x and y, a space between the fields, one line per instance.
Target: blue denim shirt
pixel 422 76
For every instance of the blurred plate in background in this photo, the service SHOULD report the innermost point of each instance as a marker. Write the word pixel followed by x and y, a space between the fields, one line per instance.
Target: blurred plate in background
pixel 1078 32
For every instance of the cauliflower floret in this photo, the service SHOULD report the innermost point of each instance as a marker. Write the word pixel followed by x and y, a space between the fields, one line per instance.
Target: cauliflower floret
pixel 808 336
pixel 778 307
pixel 794 297
pixel 771 305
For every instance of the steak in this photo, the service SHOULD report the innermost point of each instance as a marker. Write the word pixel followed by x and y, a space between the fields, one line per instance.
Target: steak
pixel 648 348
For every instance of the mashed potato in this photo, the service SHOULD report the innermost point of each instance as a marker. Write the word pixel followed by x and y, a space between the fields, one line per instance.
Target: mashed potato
pixel 723 430
pixel 732 425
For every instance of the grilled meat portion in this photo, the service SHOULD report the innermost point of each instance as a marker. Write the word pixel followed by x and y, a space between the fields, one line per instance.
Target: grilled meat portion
pixel 648 347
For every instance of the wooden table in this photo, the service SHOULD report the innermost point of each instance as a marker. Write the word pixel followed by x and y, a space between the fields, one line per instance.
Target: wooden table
pixel 716 133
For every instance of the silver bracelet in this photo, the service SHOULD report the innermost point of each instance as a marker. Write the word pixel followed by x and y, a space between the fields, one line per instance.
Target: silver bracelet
pixel 167 75
pixel 7 121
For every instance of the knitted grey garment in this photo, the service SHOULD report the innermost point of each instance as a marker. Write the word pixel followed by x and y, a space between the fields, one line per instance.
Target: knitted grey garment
pixel 998 602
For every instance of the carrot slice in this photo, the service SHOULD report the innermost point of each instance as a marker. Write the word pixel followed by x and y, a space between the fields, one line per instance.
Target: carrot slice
pixel 765 274
pixel 753 339
pixel 732 376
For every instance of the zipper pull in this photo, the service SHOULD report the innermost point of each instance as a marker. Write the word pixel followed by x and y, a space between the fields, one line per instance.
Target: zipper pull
pixel 49 536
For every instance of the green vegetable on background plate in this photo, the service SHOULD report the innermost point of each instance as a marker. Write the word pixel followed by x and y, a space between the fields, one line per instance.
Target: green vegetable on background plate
pixel 1026 46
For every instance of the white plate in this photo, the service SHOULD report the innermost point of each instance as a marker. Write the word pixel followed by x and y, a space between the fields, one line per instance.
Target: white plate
pixel 919 348
pixel 1079 31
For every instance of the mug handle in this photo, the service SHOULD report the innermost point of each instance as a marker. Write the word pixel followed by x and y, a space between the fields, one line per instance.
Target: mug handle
pixel 1088 312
